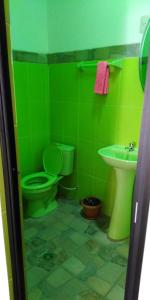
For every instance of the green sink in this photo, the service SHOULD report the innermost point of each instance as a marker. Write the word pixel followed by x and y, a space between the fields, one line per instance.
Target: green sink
pixel 124 163
pixel 119 157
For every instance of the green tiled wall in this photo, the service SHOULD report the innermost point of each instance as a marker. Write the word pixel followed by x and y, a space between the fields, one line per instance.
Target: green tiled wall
pixel 56 102
pixel 33 113
pixel 90 121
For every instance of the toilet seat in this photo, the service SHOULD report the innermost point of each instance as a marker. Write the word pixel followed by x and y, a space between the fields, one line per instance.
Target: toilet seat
pixel 37 181
pixel 52 162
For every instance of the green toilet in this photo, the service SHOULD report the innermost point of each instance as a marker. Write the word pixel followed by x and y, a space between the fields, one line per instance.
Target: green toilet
pixel 40 189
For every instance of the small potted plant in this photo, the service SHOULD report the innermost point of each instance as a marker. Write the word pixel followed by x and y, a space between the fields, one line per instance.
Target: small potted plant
pixel 91 207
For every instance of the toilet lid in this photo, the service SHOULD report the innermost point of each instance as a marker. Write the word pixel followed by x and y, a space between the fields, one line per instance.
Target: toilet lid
pixel 52 160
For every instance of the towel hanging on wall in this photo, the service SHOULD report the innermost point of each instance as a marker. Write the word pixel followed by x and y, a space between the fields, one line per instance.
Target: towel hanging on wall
pixel 102 78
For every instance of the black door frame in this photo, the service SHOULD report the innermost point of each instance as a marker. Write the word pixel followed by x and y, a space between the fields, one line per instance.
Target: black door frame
pixel 9 161
pixel 8 147
pixel 141 200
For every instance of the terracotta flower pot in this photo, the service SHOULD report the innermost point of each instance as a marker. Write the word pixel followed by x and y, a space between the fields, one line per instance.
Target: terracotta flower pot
pixel 91 207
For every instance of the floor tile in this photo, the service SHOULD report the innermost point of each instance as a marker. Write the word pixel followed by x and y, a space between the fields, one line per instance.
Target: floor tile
pixel 35 294
pixel 71 290
pixel 122 280
pixel 69 257
pixel 123 251
pixel 79 225
pixel 91 229
pixel 38 244
pixel 102 238
pixel 109 253
pixel 119 259
pixel 60 226
pixel 90 270
pixel 49 233
pixel 98 261
pixel 29 233
pixel 74 265
pixel 79 239
pixel 52 260
pixel 93 246
pixel 68 208
pixel 58 278
pixel 69 219
pixel 116 293
pixel 69 247
pixel 84 255
pixel 28 266
pixel 47 289
pixel 34 276
pixel 98 285
pixel 110 272
pixel 88 295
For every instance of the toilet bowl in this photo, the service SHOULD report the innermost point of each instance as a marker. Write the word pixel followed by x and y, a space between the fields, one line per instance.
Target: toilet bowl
pixel 40 189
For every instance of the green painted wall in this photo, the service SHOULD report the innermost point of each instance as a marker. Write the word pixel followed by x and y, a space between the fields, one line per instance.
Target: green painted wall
pixel 90 121
pixel 81 24
pixel 56 26
pixel 33 113
pixel 28 21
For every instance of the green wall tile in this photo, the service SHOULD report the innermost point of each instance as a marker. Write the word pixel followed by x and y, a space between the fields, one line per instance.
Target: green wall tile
pixel 23 120
pixel 87 117
pixel 131 93
pixel 59 104
pixel 37 81
pixel 85 157
pixel 113 97
pixel 64 82
pixel 128 128
pixel 85 184
pixel 100 168
pixel 70 118
pixel 86 84
pixel 99 188
pixel 33 113
pixel 39 117
pixel 57 117
pixel 105 127
pixel 20 77
pixel 25 155
pixel 39 143
pixel 98 121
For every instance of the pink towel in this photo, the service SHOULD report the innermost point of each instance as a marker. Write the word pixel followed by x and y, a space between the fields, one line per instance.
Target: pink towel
pixel 102 78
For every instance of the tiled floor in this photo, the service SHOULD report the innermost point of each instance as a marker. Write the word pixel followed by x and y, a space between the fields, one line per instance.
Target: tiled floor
pixel 71 258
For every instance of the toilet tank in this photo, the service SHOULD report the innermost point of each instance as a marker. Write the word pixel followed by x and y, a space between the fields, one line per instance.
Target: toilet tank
pixel 68 158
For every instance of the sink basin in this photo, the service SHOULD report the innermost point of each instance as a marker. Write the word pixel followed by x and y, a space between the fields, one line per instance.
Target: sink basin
pixel 124 163
pixel 119 157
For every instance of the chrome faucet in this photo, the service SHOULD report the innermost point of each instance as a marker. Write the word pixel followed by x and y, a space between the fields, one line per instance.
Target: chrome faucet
pixel 131 146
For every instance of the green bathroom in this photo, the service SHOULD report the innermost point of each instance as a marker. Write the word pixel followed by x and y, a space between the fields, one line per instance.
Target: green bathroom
pixel 77 145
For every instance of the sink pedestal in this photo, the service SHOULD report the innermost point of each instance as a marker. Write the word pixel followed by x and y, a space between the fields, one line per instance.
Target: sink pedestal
pixel 119 228
pixel 124 162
